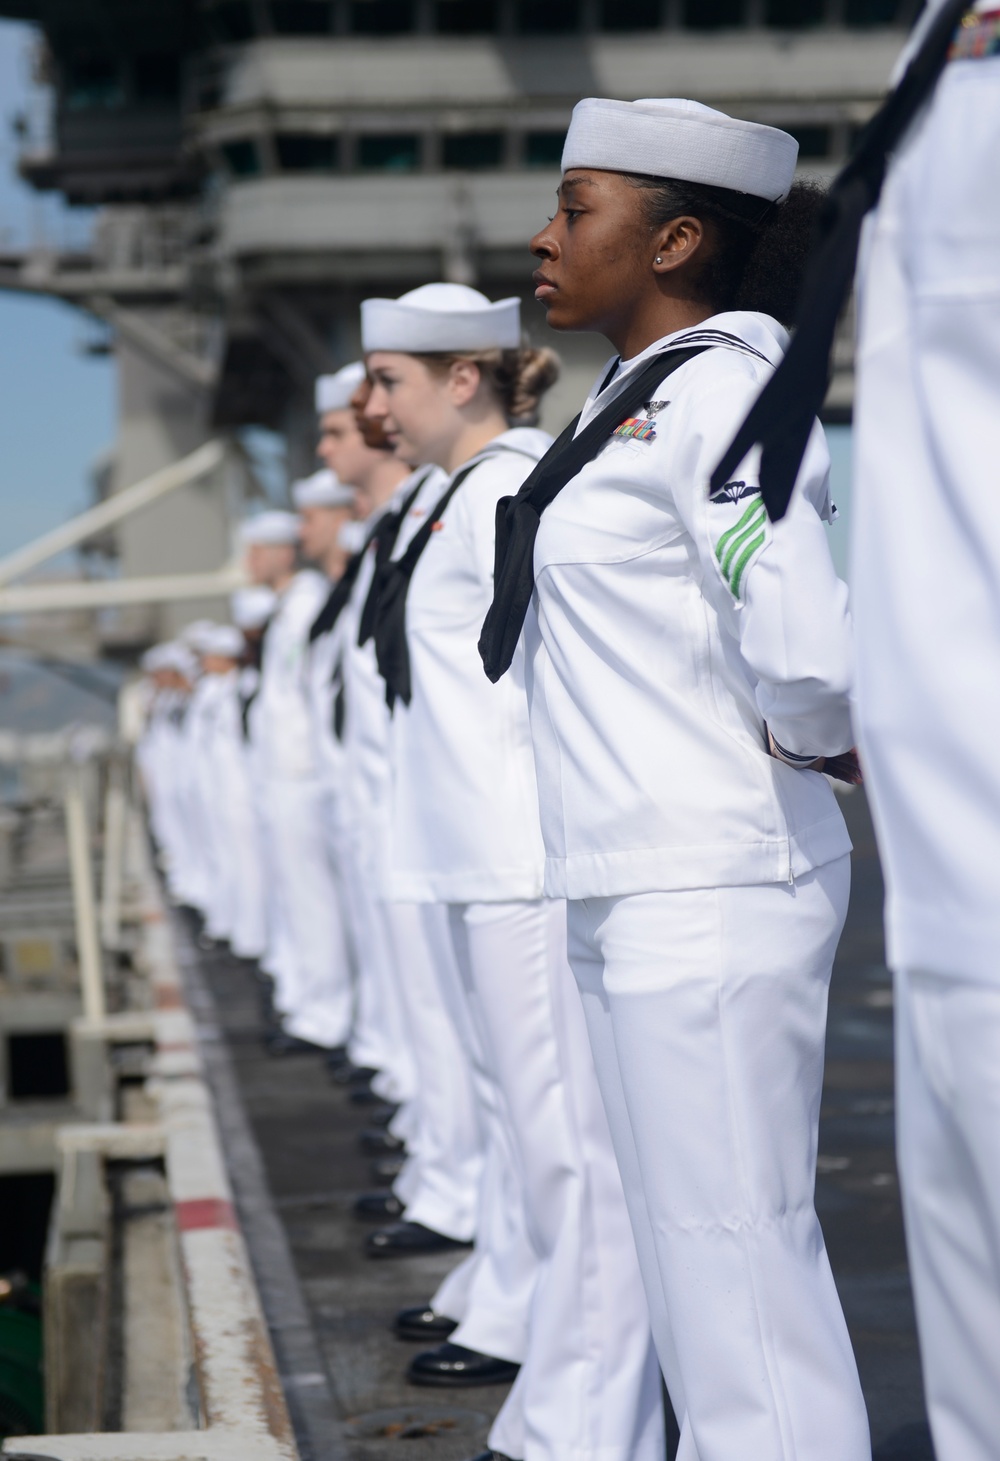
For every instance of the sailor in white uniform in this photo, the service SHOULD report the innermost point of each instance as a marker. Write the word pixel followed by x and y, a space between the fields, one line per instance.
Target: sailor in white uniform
pixel 670 640
pixel 437 1189
pixel 251 609
pixel 173 669
pixel 307 955
pixel 452 384
pixel 379 1048
pixel 219 766
pixel 926 592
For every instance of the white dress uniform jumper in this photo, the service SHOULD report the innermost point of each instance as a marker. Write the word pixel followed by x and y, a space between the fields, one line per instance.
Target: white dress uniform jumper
pixel 464 835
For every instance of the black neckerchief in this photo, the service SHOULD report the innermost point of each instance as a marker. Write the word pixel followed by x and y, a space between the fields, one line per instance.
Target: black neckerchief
pixel 340 593
pixel 782 417
pixel 518 517
pixel 391 650
pixel 385 541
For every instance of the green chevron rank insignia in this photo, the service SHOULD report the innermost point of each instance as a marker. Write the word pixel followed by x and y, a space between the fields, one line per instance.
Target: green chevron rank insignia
pixel 738 545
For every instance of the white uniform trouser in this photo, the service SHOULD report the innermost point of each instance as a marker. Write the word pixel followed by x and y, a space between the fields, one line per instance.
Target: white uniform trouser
pixel 948 1129
pixel 490 1293
pixel 379 1038
pixel 248 936
pixel 588 1385
pixel 707 1014
pixel 440 1181
pixel 312 973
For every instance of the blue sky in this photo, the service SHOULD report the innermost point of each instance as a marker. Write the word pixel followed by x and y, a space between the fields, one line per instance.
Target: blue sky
pixel 57 405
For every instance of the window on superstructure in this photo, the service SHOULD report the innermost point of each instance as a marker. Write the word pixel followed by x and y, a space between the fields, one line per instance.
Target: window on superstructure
pixel 465 17
pixel 543 149
pixel 871 12
pixel 712 14
pixel 472 150
pixel 794 14
pixel 93 83
pixel 301 17
pixel 631 14
pixel 547 17
pixel 389 152
pixel 381 17
pixel 242 158
pixel 306 152
pixel 232 20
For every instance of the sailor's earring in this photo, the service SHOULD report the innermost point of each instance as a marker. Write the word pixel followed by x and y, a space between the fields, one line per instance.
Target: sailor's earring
pixel 658 259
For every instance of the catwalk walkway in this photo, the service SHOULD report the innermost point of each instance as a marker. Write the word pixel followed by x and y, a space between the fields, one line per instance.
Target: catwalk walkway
pixel 291 1138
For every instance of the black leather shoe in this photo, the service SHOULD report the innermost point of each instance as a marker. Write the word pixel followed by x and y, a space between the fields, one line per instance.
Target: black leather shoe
pixel 382 1115
pixel 385 1170
pixel 363 1096
pixel 379 1206
pixel 280 1043
pixel 337 1057
pixel 421 1323
pixel 353 1075
pixel 380 1143
pixel 403 1239
pixel 455 1366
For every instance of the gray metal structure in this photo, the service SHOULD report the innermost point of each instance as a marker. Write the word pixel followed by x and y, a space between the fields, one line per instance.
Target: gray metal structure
pixel 263 165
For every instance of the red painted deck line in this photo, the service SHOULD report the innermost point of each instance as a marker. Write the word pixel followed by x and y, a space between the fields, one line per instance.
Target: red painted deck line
pixel 167 997
pixel 205 1212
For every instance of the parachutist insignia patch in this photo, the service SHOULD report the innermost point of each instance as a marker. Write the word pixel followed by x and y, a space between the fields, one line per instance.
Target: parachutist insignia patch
pixel 653 408
pixel 734 492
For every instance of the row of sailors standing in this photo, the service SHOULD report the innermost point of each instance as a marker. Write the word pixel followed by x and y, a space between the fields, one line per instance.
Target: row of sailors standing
pixel 594 894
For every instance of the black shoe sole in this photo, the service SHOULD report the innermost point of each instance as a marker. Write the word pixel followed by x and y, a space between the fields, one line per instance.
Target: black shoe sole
pixel 449 1382
pixel 423 1336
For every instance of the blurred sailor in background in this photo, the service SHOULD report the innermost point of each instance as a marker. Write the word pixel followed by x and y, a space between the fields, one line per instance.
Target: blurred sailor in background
pixel 926 594
pixel 306 953
pixel 220 776
pixel 173 669
pixel 251 609
pixel 377 1050
pixel 452 384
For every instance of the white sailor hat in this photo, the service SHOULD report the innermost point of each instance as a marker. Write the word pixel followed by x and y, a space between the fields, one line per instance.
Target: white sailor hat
pixel 173 655
pixel 272 527
pixel 440 317
pixel 322 489
pixel 335 392
pixel 673 138
pixel 251 607
pixel 193 634
pixel 224 640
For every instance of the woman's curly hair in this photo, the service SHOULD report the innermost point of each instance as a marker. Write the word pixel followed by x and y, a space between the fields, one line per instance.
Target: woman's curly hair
pixel 761 248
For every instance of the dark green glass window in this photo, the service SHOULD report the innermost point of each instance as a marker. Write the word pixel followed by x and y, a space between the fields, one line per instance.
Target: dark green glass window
pixel 547 17
pixel 381 17
pixel 631 14
pixel 301 17
pixel 465 17
pixel 543 149
pixel 871 12
pixel 813 141
pixel 242 158
pixel 794 14
pixel 390 153
pixel 472 149
pixel 231 21
pixel 306 152
pixel 712 14
pixel 93 84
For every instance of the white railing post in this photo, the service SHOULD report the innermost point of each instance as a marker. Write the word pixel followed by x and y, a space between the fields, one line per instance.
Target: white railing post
pixel 84 908
pixel 114 855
